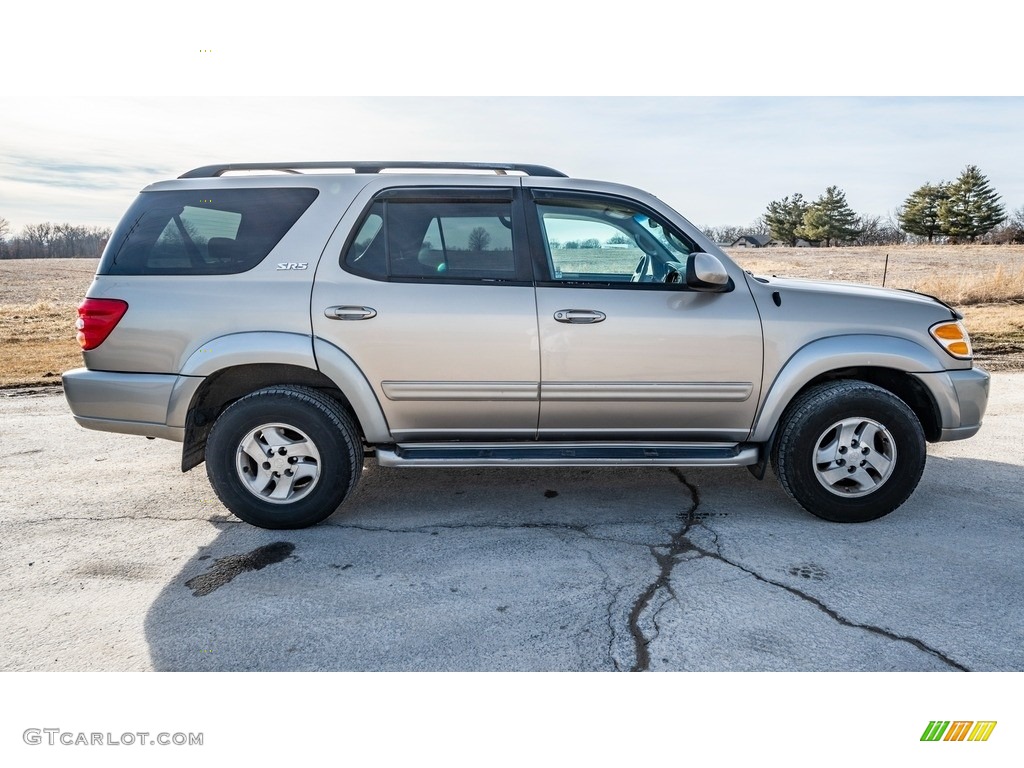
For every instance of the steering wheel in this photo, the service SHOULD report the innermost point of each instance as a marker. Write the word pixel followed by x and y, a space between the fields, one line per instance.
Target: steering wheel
pixel 641 269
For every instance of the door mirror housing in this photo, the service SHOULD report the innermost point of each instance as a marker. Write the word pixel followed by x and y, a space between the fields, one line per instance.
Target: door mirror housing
pixel 705 272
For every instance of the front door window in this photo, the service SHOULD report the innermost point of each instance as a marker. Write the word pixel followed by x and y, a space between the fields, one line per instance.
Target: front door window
pixel 599 242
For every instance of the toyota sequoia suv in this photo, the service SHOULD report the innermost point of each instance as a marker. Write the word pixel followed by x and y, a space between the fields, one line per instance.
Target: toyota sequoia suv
pixel 284 320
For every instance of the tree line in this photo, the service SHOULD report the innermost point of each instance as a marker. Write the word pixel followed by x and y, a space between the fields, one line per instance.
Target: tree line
pixel 52 241
pixel 965 210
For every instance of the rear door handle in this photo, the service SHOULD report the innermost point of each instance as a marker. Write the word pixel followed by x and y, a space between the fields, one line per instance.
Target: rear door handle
pixel 350 313
pixel 579 316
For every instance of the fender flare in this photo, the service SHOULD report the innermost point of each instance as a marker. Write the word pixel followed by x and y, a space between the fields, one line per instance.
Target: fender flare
pixel 236 349
pixel 343 371
pixel 229 351
pixel 835 353
pixel 295 349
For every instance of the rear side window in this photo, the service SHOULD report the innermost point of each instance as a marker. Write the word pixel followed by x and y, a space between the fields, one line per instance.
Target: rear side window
pixel 202 232
pixel 442 240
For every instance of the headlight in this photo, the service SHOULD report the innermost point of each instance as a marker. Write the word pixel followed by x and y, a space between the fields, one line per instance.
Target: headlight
pixel 953 338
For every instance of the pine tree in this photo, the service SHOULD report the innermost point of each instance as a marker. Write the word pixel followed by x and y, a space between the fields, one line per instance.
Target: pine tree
pixel 972 207
pixel 920 214
pixel 784 217
pixel 829 218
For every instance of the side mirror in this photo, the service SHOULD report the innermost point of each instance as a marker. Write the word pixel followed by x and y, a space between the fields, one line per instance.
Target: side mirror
pixel 705 272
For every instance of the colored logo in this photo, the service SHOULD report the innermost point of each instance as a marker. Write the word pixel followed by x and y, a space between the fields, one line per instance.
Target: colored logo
pixel 958 730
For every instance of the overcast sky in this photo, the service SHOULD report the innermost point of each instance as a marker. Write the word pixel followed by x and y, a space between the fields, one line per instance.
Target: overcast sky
pixel 101 109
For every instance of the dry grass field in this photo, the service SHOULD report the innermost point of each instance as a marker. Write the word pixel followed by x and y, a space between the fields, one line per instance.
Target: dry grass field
pixel 38 302
pixel 38 297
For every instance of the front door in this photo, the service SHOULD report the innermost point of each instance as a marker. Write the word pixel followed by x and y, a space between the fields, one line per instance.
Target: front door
pixel 628 351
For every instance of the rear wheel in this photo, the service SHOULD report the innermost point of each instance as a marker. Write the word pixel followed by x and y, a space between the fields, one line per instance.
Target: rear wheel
pixel 284 457
pixel 849 451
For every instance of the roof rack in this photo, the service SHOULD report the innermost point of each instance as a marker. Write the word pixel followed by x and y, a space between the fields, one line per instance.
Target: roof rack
pixel 209 171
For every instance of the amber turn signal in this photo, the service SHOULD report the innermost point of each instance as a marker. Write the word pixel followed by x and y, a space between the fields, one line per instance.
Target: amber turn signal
pixel 954 339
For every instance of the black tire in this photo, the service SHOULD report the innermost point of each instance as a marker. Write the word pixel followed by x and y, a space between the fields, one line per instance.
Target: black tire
pixel 849 451
pixel 284 457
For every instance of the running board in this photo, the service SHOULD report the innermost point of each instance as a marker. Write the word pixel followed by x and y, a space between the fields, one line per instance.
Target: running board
pixel 568 455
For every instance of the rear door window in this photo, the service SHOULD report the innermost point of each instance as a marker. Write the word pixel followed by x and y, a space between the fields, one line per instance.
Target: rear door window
pixel 440 235
pixel 202 232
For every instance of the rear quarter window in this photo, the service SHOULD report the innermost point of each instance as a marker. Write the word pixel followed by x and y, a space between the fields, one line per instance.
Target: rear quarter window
pixel 202 232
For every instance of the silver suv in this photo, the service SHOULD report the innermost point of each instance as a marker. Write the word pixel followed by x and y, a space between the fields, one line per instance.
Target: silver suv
pixel 282 320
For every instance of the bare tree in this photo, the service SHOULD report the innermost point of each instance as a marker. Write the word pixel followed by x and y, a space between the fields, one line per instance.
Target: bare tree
pixel 479 239
pixel 878 231
pixel 729 233
pixel 5 229
pixel 723 234
pixel 38 237
pixel 758 226
pixel 1010 231
pixel 48 241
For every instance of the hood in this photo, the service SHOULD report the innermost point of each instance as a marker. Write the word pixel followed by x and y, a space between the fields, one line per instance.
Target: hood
pixel 825 288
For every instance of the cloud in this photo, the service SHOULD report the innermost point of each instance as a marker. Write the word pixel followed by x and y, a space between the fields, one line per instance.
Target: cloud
pixel 716 160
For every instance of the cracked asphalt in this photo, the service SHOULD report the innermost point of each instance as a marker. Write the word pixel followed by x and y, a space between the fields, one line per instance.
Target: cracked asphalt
pixel 115 561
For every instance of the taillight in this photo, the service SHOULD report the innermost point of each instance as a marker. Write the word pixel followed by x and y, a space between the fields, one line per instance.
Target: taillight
pixel 96 319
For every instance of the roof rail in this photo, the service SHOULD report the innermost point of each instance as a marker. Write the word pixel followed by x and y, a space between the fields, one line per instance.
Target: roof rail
pixel 360 166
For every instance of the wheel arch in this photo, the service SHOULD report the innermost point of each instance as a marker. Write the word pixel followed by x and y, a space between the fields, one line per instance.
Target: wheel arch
pixel 227 372
pixel 888 362
pixel 225 386
pixel 241 349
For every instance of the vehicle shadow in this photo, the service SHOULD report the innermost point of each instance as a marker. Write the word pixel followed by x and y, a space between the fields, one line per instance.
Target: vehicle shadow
pixel 434 569
pixel 543 569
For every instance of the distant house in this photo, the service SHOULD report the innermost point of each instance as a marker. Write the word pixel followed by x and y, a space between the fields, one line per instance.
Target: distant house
pixel 764 241
pixel 752 241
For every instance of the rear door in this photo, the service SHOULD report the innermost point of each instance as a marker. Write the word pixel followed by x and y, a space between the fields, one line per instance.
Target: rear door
pixel 627 350
pixel 432 297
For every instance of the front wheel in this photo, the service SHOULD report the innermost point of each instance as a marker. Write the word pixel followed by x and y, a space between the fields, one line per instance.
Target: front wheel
pixel 283 457
pixel 849 451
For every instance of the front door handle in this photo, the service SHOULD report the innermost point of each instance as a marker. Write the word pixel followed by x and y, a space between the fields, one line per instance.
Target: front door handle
pixel 577 316
pixel 350 313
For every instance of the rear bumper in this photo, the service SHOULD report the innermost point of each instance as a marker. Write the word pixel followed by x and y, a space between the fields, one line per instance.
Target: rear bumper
pixel 154 405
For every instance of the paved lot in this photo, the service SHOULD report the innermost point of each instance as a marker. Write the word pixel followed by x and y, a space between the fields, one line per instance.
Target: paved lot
pixel 114 560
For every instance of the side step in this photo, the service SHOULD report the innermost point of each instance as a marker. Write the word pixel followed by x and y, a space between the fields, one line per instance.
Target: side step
pixel 568 455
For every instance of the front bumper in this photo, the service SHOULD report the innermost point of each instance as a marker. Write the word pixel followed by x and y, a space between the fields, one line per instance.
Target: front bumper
pixel 961 397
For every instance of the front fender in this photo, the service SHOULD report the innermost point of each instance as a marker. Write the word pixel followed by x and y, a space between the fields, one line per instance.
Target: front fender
pixel 832 354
